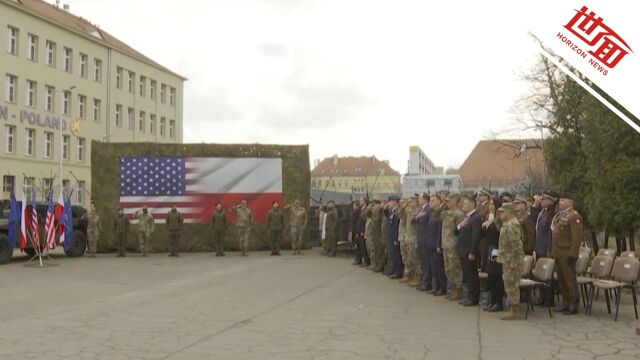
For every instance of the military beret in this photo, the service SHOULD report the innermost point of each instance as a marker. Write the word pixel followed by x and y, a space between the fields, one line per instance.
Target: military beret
pixel 506 207
pixel 507 194
pixel 484 191
pixel 519 199
pixel 550 194
pixel 566 195
pixel 393 198
pixel 453 196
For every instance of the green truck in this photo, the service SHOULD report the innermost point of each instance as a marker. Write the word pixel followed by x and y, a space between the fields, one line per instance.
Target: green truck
pixel 79 237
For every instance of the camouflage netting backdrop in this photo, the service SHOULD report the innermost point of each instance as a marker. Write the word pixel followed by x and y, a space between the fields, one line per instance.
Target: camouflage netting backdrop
pixel 105 178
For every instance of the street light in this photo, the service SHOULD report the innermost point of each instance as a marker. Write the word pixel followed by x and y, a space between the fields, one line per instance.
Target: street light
pixel 60 129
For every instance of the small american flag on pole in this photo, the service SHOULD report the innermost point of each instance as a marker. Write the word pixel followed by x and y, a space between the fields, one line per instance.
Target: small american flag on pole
pixel 195 184
pixel 49 226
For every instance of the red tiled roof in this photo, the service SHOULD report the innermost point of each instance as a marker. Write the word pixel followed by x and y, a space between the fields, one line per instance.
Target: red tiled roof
pixel 353 166
pixel 77 24
pixel 502 161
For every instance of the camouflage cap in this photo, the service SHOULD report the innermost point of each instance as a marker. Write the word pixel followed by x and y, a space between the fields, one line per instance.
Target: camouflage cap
pixel 452 196
pixel 519 199
pixel 506 193
pixel 484 191
pixel 506 207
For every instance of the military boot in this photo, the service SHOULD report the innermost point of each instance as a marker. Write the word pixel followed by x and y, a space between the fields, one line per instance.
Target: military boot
pixel 406 278
pixel 513 314
pixel 414 282
pixel 456 295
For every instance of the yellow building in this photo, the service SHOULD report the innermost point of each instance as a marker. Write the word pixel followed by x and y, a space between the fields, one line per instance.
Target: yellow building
pixel 357 175
pixel 59 69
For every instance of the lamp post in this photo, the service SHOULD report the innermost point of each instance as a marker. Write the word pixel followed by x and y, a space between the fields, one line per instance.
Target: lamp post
pixel 60 130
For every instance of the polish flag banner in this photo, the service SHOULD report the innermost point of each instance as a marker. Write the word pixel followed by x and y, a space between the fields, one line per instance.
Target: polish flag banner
pixel 598 38
pixel 194 185
pixel 59 210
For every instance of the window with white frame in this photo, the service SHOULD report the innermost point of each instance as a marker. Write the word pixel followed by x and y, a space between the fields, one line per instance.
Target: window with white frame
pixel 118 115
pixel 68 59
pixel 84 62
pixel 32 51
pixel 50 94
pixel 152 90
pixel 32 93
pixel 141 121
pixel 172 129
pixel 47 186
pixel 97 70
pixel 51 53
pixel 163 93
pixel 66 103
pixel 66 140
pixel 152 124
pixel 130 120
pixel 119 77
pixel 48 145
pixel 81 147
pixel 29 141
pixel 8 183
pixel 132 81
pixel 163 124
pixel 30 188
pixel 12 40
pixel 82 106
pixel 10 88
pixel 143 86
pixel 97 109
pixel 9 139
pixel 172 97
pixel 80 192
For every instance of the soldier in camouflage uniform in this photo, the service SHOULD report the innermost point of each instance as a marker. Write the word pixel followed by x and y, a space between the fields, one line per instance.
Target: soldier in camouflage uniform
pixel 528 227
pixel 146 225
pixel 244 220
pixel 410 250
pixel 174 225
pixel 219 228
pixel 93 229
pixel 383 254
pixel 297 225
pixel 275 225
pixel 374 240
pixel 451 217
pixel 511 256
pixel 120 231
pixel 402 228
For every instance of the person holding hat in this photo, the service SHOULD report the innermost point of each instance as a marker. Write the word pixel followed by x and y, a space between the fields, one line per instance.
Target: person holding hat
pixel 275 225
pixel 511 256
pixel 568 232
pixel 120 231
pixel 528 227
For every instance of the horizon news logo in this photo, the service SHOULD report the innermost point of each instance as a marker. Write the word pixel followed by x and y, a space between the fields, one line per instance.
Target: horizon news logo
pixel 605 46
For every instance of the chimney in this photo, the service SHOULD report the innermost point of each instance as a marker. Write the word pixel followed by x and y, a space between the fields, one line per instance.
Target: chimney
pixel 335 159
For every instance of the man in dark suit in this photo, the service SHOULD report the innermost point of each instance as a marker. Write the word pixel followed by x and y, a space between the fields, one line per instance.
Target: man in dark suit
pixel 392 212
pixel 469 232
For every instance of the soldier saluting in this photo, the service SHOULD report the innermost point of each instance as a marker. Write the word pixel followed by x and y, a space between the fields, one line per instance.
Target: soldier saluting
pixel 568 232
pixel 511 256
pixel 243 225
pixel 146 225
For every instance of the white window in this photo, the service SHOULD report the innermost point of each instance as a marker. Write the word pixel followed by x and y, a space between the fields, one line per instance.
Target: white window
pixel 30 188
pixel 141 121
pixel 152 90
pixel 9 138
pixel 66 103
pixel 50 93
pixel 172 97
pixel 29 141
pixel 130 118
pixel 47 185
pixel 8 183
pixel 80 192
pixel 68 59
pixel 97 106
pixel 48 144
pixel 143 86
pixel 81 143
pixel 65 147
pixel 163 124
pixel 172 129
pixel 97 70
pixel 32 93
pixel 118 115
pixel 11 88
pixel 163 93
pixel 132 80
pixel 152 124
pixel 51 53
pixel 12 40
pixel 82 106
pixel 32 51
pixel 84 60
pixel 119 77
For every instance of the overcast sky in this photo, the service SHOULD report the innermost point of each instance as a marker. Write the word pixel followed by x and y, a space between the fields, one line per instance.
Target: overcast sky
pixel 352 77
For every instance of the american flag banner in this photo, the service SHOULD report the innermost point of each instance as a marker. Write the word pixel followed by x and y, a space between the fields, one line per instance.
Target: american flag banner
pixel 49 226
pixel 35 232
pixel 195 184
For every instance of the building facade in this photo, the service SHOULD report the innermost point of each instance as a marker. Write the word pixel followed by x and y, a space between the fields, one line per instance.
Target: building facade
pixel 67 83
pixel 419 162
pixel 362 176
pixel 430 184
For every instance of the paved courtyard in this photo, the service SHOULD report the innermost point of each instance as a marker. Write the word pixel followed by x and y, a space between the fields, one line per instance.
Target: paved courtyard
pixel 261 307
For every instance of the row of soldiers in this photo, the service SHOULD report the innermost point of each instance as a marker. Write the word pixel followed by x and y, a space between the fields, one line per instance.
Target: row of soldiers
pixel 219 223
pixel 440 243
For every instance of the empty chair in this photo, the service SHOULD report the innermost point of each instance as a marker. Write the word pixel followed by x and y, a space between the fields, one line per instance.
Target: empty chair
pixel 582 263
pixel 607 252
pixel 624 275
pixel 542 275
pixel 527 264
pixel 600 270
pixel 630 254
pixel 586 251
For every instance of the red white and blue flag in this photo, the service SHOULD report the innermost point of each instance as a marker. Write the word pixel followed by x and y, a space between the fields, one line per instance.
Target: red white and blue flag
pixel 194 185
pixel 59 211
pixel 49 226
pixel 25 218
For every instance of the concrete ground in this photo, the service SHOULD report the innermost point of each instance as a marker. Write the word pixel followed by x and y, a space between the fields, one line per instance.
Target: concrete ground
pixel 260 307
